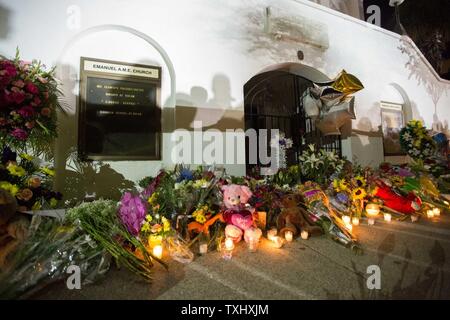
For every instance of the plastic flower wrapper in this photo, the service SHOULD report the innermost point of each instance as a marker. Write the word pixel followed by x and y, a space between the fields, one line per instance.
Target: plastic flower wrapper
pixel 51 247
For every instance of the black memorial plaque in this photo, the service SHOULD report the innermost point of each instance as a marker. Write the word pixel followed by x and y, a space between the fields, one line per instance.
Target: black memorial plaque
pixel 120 116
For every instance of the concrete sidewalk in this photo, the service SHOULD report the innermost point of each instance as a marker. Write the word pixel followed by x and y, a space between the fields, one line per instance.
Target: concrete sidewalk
pixel 412 258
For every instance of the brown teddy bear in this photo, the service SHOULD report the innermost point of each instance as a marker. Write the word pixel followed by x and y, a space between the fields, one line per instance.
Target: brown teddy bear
pixel 295 218
pixel 13 227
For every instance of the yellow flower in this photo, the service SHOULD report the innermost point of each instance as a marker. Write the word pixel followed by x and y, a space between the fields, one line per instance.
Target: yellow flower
pixel 16 170
pixel 166 224
pixel 360 181
pixel 48 171
pixel 358 194
pixel 11 188
pixel 148 218
pixel 200 218
pixel 153 198
pixel 201 183
pixel 53 202
pixel 36 206
pixel 26 156
pixel 340 185
pixel 145 227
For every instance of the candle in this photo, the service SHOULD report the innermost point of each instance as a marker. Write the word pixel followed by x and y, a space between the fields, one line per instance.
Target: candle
pixel 229 244
pixel 414 218
pixel 355 221
pixel 437 212
pixel 387 217
pixel 372 209
pixel 430 214
pixel 346 219
pixel 304 235
pixel 157 251
pixel 271 233
pixel 228 250
pixel 278 241
pixel 203 248
pixel 349 227
pixel 288 235
pixel 252 244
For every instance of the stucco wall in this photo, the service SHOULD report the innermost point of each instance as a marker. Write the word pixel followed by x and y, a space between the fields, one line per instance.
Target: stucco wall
pixel 214 48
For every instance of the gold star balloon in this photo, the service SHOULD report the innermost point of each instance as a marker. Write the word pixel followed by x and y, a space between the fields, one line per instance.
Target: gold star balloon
pixel 346 83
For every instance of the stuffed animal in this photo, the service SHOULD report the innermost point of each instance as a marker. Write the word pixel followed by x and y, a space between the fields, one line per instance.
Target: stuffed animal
pixel 13 227
pixel 295 218
pixel 405 204
pixel 237 210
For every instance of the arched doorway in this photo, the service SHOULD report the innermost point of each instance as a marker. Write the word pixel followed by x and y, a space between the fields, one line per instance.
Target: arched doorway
pixel 273 100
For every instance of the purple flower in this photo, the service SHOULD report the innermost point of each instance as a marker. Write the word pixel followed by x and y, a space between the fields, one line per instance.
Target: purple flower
pixel 19 134
pixel 342 197
pixel 132 212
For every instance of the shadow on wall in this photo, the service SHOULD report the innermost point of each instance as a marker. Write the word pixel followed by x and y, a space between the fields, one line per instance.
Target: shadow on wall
pixel 4 22
pixel 213 112
pixel 76 179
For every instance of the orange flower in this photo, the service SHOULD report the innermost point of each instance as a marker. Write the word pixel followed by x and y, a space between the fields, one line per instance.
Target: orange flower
pixel 25 194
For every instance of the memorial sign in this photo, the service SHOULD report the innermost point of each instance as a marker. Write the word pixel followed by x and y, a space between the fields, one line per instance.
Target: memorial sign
pixel 119 111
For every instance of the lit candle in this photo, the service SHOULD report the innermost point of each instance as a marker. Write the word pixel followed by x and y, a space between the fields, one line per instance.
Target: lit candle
pixel 288 235
pixel 346 219
pixel 304 235
pixel 372 210
pixel 229 244
pixel 387 217
pixel 430 214
pixel 271 233
pixel 355 221
pixel 278 242
pixel 252 244
pixel 437 212
pixel 157 251
pixel 203 248
pixel 414 218
pixel 228 250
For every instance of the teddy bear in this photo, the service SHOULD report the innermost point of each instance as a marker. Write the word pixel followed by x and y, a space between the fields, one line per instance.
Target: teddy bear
pixel 295 218
pixel 238 214
pixel 13 227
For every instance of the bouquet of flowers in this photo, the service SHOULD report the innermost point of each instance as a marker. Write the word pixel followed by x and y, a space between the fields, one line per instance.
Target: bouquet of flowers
pixel 52 246
pixel 414 139
pixel 30 182
pixel 319 165
pixel 28 103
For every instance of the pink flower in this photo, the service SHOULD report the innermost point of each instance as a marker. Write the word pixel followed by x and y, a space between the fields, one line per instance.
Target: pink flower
pixel 32 88
pixel 36 102
pixel 46 112
pixel 16 96
pixel 29 124
pixel 18 83
pixel 8 68
pixel 19 134
pixel 26 111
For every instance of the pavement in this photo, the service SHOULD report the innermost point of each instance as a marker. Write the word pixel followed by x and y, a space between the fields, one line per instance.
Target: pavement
pixel 412 258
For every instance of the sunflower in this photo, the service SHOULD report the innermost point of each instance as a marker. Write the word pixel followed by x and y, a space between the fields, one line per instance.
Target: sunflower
pixel 360 181
pixel 340 185
pixel 358 194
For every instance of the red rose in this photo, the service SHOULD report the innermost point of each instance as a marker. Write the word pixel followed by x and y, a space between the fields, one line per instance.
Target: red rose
pixel 32 88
